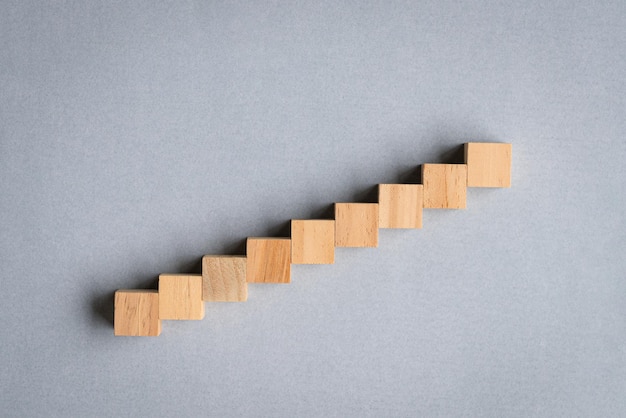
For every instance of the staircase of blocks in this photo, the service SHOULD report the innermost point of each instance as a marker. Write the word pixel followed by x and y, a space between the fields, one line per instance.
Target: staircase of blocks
pixel 225 278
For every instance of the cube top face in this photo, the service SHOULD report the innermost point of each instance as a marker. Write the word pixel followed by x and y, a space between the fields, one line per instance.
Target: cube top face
pixel 268 260
pixel 488 164
pixel 313 241
pixel 137 313
pixel 224 278
pixel 445 186
pixel 356 224
pixel 180 296
pixel 400 205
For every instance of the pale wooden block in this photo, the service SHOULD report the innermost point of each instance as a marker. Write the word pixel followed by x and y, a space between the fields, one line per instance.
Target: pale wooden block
pixel 445 186
pixel 488 164
pixel 400 205
pixel 356 224
pixel 136 313
pixel 180 296
pixel 268 260
pixel 224 278
pixel 313 241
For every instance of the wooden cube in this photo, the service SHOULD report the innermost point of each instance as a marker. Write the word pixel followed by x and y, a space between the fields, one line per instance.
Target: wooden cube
pixel 180 296
pixel 137 313
pixel 224 278
pixel 268 260
pixel 488 164
pixel 356 224
pixel 445 186
pixel 400 205
pixel 313 241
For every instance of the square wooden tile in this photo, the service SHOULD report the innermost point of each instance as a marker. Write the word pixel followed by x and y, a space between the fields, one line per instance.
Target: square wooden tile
pixel 268 260
pixel 224 278
pixel 488 164
pixel 313 241
pixel 356 224
pixel 400 205
pixel 445 186
pixel 136 313
pixel 180 296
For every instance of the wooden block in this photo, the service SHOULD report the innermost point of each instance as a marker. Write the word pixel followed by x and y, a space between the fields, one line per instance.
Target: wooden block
pixel 488 164
pixel 400 205
pixel 356 224
pixel 445 186
pixel 313 241
pixel 224 278
pixel 137 313
pixel 268 260
pixel 180 296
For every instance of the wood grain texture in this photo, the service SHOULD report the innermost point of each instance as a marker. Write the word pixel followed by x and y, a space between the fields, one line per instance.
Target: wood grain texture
pixel 313 241
pixel 400 205
pixel 488 164
pixel 268 260
pixel 224 278
pixel 136 313
pixel 445 186
pixel 180 296
pixel 356 224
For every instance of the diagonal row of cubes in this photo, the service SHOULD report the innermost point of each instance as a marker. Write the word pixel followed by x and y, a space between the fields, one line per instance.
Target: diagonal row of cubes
pixel 225 278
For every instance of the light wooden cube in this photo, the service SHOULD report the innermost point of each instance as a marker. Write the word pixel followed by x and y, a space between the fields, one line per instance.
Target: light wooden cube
pixel 400 205
pixel 356 224
pixel 488 164
pixel 268 260
pixel 137 313
pixel 445 186
pixel 180 296
pixel 313 241
pixel 224 278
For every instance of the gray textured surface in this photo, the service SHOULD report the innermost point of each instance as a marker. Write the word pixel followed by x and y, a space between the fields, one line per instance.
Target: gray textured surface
pixel 136 137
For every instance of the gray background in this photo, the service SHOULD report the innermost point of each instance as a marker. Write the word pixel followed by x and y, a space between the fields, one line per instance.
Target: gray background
pixel 136 137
